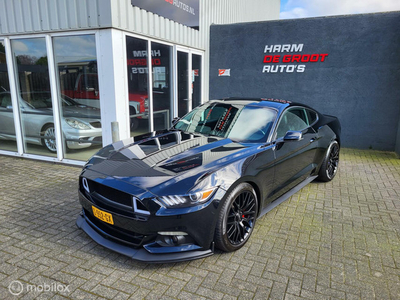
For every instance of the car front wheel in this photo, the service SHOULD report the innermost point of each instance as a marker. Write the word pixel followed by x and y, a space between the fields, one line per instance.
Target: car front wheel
pixel 237 218
pixel 330 163
pixel 49 140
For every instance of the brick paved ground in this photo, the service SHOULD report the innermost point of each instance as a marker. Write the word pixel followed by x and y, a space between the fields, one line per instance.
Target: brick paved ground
pixel 338 240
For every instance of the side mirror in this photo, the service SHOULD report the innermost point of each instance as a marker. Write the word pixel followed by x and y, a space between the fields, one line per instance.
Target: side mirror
pixel 175 120
pixel 293 136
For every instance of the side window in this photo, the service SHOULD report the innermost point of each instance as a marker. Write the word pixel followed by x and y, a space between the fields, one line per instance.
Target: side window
pixel 293 119
pixel 5 100
pixel 301 113
pixel 312 116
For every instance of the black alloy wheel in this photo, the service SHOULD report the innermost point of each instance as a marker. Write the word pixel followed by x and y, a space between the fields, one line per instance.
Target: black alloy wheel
pixel 330 163
pixel 237 218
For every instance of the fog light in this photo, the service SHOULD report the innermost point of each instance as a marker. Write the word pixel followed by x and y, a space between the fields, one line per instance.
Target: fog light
pixel 173 238
pixel 178 239
pixel 172 233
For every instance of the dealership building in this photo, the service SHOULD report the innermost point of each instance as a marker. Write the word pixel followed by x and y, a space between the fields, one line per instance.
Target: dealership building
pixel 347 66
pixel 74 75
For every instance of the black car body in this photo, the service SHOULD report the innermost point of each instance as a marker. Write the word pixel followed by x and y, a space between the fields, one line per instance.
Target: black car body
pixel 173 195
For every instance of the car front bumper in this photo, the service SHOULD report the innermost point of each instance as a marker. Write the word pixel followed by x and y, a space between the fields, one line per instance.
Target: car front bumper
pixel 79 139
pixel 138 236
pixel 139 254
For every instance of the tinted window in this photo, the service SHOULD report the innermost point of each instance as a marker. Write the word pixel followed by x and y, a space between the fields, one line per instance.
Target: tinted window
pixel 312 116
pixel 301 113
pixel 294 119
pixel 237 122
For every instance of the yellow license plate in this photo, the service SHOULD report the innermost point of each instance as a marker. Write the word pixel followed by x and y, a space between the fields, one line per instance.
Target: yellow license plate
pixel 102 215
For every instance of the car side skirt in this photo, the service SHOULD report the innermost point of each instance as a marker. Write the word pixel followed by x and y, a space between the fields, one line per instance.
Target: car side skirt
pixel 286 196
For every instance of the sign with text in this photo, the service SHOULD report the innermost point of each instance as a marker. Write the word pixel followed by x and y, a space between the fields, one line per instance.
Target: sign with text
pixel 276 60
pixel 185 12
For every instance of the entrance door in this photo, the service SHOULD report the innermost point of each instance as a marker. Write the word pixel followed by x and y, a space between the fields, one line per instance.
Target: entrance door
pixel 183 84
pixel 189 85
pixel 161 85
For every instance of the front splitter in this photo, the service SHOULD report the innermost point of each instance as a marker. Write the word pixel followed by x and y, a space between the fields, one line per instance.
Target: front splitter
pixel 140 254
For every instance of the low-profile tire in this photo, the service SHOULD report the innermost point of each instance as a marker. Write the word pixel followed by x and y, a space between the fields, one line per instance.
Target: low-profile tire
pixel 49 144
pixel 237 218
pixel 330 163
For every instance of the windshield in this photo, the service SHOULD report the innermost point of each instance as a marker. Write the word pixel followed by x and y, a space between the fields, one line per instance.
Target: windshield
pixel 43 100
pixel 236 122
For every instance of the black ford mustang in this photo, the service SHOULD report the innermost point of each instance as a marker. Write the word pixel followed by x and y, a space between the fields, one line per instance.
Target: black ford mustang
pixel 174 195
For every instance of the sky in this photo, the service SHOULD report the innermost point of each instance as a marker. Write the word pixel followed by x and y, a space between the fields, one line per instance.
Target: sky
pixel 291 9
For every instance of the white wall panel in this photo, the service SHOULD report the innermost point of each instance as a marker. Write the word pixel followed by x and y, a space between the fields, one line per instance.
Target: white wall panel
pixel 29 16
pixel 43 12
pixel 26 16
pixel 231 11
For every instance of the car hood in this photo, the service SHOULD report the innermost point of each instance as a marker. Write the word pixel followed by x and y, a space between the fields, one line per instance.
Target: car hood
pixel 165 158
pixel 81 111
pixel 76 111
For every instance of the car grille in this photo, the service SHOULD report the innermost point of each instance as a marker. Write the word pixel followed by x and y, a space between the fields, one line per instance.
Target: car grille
pixel 96 124
pixel 115 200
pixel 116 233
pixel 109 193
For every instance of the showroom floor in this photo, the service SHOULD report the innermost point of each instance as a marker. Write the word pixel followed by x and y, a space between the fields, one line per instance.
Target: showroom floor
pixel 338 240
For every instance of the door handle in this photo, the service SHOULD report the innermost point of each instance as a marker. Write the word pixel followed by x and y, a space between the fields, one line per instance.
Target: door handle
pixel 313 140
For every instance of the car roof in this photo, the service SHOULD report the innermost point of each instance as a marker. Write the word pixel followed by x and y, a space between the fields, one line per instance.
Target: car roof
pixel 278 104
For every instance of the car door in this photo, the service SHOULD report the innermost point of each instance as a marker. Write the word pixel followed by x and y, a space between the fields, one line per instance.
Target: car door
pixel 294 159
pixel 7 128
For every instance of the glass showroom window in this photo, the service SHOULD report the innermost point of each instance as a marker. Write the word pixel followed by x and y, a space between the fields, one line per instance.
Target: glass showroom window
pixel 196 80
pixel 161 71
pixel 183 87
pixel 79 101
pixel 7 130
pixel 34 97
pixel 136 53
pixel 189 82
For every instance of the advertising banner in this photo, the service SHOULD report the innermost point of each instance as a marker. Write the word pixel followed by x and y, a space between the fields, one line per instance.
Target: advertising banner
pixel 185 12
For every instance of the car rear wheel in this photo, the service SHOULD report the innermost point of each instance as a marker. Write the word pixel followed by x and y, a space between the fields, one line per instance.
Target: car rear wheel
pixel 237 218
pixel 48 140
pixel 330 163
pixel 134 124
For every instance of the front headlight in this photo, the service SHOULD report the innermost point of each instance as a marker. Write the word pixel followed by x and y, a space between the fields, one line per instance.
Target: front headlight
pixel 76 124
pixel 186 200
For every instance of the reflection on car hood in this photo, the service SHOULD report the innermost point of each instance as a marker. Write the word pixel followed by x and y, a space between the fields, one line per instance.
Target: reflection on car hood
pixel 76 111
pixel 81 111
pixel 154 158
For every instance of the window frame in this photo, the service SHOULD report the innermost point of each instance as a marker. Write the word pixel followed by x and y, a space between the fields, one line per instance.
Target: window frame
pixel 305 109
pixel 12 73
